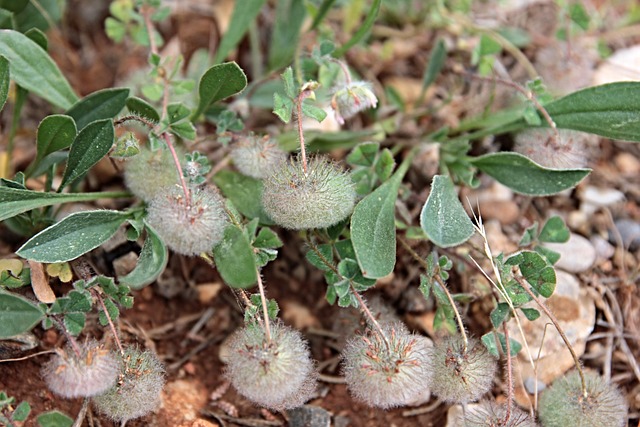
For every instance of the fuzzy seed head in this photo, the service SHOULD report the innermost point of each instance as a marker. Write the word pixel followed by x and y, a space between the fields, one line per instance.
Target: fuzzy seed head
pixel 188 230
pixel 277 375
pixel 568 151
pixel 137 391
pixel 383 376
pixel 352 98
pixel 71 376
pixel 257 157
pixel 322 197
pixel 461 376
pixel 150 172
pixel 490 414
pixel 564 405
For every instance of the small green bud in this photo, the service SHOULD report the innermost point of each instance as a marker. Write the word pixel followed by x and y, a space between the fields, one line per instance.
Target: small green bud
pixel 322 197
pixel 563 404
pixel 188 230
pixel 137 391
pixel 126 146
pixel 461 376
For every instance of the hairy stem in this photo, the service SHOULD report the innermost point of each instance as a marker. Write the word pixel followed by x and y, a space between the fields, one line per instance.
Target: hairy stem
pixel 507 415
pixel 111 325
pixel 265 311
pixel 303 152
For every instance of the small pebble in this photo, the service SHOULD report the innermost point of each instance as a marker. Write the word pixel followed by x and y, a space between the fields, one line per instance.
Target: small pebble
pixel 629 231
pixel 530 385
pixel 576 255
pixel 309 416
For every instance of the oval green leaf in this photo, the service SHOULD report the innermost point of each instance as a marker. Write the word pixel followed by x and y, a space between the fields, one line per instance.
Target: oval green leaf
pixel 17 315
pixel 219 82
pixel 72 237
pixel 244 192
pixel 142 108
pixel 443 218
pixel 55 133
pixel 92 144
pixel 527 177
pixel 99 105
pixel 151 262
pixel 244 12
pixel 4 80
pixel 234 259
pixel 34 70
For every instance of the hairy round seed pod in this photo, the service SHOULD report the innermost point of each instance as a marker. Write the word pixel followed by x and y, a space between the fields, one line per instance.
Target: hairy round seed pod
pixel 569 151
pixel 461 376
pixel 490 414
pixel 564 405
pixel 322 197
pixel 188 230
pixel 350 99
pixel 565 69
pixel 278 374
pixel 137 391
pixel 149 172
pixel 387 376
pixel 257 157
pixel 91 373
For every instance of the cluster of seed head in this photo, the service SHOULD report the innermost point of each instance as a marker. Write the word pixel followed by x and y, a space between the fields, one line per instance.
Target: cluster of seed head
pixel 137 391
pixel 563 404
pixel 350 99
pixel 570 150
pixel 387 373
pixel 277 374
pixel 257 157
pixel 149 173
pixel 461 375
pixel 188 229
pixel 91 372
pixel 490 414
pixel 320 197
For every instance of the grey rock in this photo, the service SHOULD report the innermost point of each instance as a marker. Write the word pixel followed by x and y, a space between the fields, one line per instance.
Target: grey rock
pixel 309 416
pixel 629 232
pixel 576 255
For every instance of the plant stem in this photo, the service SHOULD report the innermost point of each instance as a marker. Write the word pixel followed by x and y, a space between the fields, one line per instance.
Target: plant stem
pixel 111 325
pixel 265 311
pixel 553 319
pixel 176 160
pixel 303 152
pixel 507 415
pixel 67 335
pixel 148 123
pixel 422 262
pixel 345 70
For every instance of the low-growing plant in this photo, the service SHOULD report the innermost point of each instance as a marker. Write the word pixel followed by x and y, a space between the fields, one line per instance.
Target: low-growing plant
pixel 348 205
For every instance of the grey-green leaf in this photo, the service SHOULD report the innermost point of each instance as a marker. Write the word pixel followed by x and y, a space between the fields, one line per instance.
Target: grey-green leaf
pixel 55 132
pixel 99 105
pixel 151 262
pixel 142 108
pixel 443 218
pixel 4 80
pixel 373 230
pixel 72 237
pixel 17 315
pixel 54 419
pixel 244 192
pixel 536 270
pixel 362 31
pixel 92 144
pixel 234 259
pixel 219 82
pixel 34 70
pixel 527 177
pixel 286 32
pixel 244 12
pixel 15 201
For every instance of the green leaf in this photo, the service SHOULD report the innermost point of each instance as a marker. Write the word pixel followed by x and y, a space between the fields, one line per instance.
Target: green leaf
pixel 536 270
pixel 554 231
pixel 530 313
pixel 15 6
pixel 34 70
pixel 112 311
pixel 290 88
pixel 219 82
pixel 244 12
pixel 72 237
pixel 499 314
pixel 529 236
pixel 373 230
pixel 489 342
pixel 551 255
pixel 321 13
pixel 313 112
pixel 526 177
pixel 282 107
pixel 234 259
pixel 244 192
pixel 15 201
pixel 4 81
pixel 21 413
pixel 325 253
pixel 54 419
pixel 55 132
pixel 579 15
pixel 151 262
pixel 611 110
pixel 92 144
pixel 362 31
pixel 268 239
pixel 363 154
pixel 286 32
pixel 74 323
pixel 17 315
pixel 142 108
pixel 184 130
pixel 99 105
pixel 443 218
